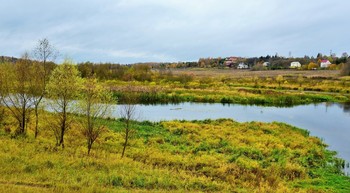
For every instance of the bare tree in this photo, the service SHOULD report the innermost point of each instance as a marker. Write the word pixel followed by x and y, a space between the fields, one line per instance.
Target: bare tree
pixel 128 115
pixel 15 90
pixel 43 53
pixel 95 103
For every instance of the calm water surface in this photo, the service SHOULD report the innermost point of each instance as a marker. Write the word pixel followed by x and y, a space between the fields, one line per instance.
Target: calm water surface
pixel 328 121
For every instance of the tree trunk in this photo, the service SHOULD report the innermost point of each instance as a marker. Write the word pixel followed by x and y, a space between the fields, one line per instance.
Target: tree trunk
pixel 62 135
pixel 36 132
pixel 126 141
pixel 89 146
pixel 23 125
pixel 36 109
pixel 63 127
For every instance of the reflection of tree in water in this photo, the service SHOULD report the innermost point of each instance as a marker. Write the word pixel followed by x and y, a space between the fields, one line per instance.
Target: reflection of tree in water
pixel 346 107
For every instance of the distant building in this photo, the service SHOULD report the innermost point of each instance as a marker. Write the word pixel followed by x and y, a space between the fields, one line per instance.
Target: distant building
pixel 230 61
pixel 295 65
pixel 242 66
pixel 325 63
pixel 266 64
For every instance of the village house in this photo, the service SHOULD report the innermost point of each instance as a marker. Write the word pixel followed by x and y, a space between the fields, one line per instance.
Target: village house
pixel 242 66
pixel 295 65
pixel 230 61
pixel 325 63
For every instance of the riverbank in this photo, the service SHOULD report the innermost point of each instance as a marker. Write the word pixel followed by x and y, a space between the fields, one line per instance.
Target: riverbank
pixel 236 95
pixel 271 88
pixel 173 156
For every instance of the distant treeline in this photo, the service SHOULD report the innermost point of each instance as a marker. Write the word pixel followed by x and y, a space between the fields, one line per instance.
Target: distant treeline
pixel 278 62
pixel 150 71
pixel 107 71
pixel 139 72
pixel 8 59
pixel 275 62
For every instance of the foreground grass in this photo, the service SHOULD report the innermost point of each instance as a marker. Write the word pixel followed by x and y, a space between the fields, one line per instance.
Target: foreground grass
pixel 174 156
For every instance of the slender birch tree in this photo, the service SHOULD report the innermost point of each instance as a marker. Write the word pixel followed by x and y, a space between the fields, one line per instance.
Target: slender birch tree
pixel 43 53
pixel 63 88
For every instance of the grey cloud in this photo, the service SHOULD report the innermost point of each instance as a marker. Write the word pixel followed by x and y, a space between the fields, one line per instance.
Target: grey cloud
pixel 129 31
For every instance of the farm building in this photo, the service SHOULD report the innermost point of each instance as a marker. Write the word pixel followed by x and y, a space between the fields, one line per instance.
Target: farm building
pixel 295 65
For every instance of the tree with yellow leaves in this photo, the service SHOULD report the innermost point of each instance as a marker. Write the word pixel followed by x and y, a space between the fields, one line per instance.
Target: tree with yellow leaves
pixel 63 88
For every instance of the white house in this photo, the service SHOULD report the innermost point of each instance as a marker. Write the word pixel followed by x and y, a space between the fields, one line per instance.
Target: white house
pixel 242 66
pixel 325 63
pixel 266 64
pixel 295 65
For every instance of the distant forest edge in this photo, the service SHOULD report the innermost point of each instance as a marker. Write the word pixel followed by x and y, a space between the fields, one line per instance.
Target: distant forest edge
pixel 115 70
pixel 8 59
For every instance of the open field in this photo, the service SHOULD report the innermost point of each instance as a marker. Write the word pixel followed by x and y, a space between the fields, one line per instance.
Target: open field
pixel 235 73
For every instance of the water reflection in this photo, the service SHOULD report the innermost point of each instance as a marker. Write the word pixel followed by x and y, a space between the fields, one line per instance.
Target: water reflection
pixel 346 107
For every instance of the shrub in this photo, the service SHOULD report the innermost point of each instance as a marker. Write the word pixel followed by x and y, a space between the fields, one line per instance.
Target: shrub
pixel 116 181
pixel 345 69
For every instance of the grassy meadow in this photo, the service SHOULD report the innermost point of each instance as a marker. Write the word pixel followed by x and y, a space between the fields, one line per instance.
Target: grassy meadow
pixel 174 156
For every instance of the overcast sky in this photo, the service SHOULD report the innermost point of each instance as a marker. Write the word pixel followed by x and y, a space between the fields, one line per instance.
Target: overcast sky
pixel 129 31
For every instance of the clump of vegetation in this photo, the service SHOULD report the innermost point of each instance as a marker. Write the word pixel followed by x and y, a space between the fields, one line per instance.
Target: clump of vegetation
pixel 345 69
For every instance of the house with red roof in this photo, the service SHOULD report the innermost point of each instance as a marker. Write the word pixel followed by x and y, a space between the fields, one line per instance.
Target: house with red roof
pixel 325 63
pixel 230 61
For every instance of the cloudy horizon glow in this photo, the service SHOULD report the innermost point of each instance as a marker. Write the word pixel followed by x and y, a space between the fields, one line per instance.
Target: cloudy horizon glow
pixel 130 31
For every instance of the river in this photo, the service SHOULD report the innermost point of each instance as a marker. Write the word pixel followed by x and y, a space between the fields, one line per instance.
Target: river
pixel 328 121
